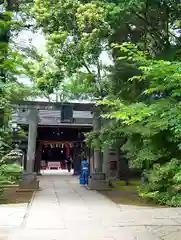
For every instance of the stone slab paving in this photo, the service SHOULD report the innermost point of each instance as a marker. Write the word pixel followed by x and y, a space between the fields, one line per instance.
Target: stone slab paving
pixel 11 218
pixel 65 210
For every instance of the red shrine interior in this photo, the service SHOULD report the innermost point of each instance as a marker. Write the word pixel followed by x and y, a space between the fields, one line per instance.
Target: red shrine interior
pixel 55 144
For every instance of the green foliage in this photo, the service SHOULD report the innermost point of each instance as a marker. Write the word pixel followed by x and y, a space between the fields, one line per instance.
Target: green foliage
pixel 78 32
pixel 10 157
pixel 4 180
pixel 11 70
pixel 11 172
pixel 74 33
pixel 152 124
pixel 163 185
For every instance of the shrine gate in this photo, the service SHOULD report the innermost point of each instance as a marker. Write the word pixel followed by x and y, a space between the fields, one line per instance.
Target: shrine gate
pixel 57 124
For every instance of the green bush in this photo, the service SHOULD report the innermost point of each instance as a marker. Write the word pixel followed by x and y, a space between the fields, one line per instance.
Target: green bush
pixel 1 191
pixel 11 172
pixel 5 181
pixel 164 184
pixel 11 157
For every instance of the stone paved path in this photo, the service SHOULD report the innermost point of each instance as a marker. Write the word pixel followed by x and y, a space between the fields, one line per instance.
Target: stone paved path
pixel 11 218
pixel 64 210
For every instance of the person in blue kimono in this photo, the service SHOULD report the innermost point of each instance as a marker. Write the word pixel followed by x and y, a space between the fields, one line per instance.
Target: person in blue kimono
pixel 84 172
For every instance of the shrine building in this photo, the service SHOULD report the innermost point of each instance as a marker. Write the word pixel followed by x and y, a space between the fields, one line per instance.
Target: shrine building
pixel 57 129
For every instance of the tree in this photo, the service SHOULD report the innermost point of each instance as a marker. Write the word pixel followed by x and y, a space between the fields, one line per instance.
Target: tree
pixel 75 47
pixel 45 76
pixel 151 126
pixel 154 118
pixel 11 69
pixel 78 32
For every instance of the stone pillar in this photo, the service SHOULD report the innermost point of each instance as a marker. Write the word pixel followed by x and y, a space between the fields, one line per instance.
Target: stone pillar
pixel 97 152
pixel 98 180
pixel 32 135
pixel 29 180
pixel 105 161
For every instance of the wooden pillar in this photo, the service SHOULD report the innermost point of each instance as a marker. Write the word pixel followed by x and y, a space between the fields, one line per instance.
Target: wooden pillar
pixel 38 158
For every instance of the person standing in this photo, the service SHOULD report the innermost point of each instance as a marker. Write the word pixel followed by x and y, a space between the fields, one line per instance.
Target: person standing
pixel 84 172
pixel 69 163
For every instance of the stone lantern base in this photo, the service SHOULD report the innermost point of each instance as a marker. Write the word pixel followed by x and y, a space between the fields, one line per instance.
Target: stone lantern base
pixel 29 181
pixel 98 181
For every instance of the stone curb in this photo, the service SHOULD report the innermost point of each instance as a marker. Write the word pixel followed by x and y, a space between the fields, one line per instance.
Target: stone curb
pixel 23 224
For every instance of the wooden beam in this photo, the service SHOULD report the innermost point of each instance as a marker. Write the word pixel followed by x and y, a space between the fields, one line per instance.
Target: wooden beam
pixel 52 105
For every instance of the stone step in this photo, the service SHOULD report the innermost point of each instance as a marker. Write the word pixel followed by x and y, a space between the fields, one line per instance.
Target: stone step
pixel 29 185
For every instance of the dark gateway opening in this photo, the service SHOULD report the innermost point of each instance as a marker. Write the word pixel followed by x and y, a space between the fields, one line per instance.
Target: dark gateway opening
pixel 56 144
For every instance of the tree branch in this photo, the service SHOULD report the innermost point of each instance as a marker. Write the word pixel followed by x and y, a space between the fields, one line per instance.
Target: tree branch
pixel 156 32
pixel 88 69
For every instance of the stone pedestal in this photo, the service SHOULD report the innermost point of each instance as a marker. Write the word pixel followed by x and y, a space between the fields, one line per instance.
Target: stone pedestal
pixel 29 181
pixel 98 176
pixel 98 182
